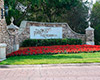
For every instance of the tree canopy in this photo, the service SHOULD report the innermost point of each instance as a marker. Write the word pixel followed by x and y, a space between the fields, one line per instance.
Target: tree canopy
pixel 74 12
pixel 95 19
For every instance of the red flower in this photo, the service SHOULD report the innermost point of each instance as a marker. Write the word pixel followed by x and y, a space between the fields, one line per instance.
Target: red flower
pixel 56 49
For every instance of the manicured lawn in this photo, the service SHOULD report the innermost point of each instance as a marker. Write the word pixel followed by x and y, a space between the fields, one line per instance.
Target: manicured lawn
pixel 53 59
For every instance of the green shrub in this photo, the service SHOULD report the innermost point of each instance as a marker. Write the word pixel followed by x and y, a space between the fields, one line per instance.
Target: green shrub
pixel 49 42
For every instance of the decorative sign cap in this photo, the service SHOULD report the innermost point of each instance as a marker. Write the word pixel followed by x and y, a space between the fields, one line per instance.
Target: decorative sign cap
pixel 89 28
pixel 12 26
pixel 12 19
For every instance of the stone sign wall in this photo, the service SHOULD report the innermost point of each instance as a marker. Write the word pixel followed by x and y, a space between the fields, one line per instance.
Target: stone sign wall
pixel 45 32
pixel 67 32
pixel 24 33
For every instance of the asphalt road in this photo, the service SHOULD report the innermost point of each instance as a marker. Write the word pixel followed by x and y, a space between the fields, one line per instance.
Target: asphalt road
pixel 51 73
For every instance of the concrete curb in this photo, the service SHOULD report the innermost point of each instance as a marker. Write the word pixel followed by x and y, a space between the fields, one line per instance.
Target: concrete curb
pixel 49 65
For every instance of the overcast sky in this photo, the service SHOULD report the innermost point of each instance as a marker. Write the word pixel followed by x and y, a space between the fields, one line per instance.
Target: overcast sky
pixel 90 1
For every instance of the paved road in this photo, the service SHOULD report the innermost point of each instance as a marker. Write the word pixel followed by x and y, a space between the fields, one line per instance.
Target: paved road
pixel 51 73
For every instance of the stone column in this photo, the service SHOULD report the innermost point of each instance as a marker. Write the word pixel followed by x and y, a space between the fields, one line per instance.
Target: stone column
pixel 13 31
pixel 90 36
pixel 2 51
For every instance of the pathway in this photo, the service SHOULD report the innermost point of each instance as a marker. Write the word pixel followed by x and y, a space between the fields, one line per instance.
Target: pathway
pixel 51 73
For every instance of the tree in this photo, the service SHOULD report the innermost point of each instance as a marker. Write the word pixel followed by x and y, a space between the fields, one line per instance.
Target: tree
pixel 95 19
pixel 95 16
pixel 77 17
pixel 74 12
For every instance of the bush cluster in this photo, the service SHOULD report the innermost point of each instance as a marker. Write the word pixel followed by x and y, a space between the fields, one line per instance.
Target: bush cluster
pixel 49 42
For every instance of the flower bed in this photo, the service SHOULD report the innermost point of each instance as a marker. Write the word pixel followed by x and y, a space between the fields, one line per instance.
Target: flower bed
pixel 56 49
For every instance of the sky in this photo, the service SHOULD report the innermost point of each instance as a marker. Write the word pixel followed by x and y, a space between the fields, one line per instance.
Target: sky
pixel 90 1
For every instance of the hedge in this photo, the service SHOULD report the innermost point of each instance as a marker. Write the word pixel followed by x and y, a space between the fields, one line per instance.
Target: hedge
pixel 49 42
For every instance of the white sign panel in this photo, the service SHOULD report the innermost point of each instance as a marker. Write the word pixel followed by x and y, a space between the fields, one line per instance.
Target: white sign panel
pixel 45 32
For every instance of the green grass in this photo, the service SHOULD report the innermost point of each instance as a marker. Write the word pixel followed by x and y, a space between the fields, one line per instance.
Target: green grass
pixel 53 59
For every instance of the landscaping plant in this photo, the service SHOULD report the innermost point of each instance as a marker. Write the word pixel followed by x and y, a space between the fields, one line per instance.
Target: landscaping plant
pixel 56 49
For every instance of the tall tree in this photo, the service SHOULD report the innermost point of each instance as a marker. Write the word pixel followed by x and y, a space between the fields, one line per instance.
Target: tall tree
pixel 74 12
pixel 95 19
pixel 77 17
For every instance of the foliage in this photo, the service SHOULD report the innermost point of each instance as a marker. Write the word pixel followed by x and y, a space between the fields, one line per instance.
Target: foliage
pixel 55 50
pixel 77 17
pixel 74 12
pixel 95 19
pixel 97 35
pixel 49 42
pixel 95 16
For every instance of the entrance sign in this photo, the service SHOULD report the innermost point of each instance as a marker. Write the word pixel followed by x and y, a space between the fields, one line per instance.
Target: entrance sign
pixel 45 32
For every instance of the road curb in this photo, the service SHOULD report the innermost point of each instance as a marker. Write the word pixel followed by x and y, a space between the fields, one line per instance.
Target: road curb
pixel 49 65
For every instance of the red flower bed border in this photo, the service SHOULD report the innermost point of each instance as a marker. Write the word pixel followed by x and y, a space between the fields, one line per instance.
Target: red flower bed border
pixel 56 49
